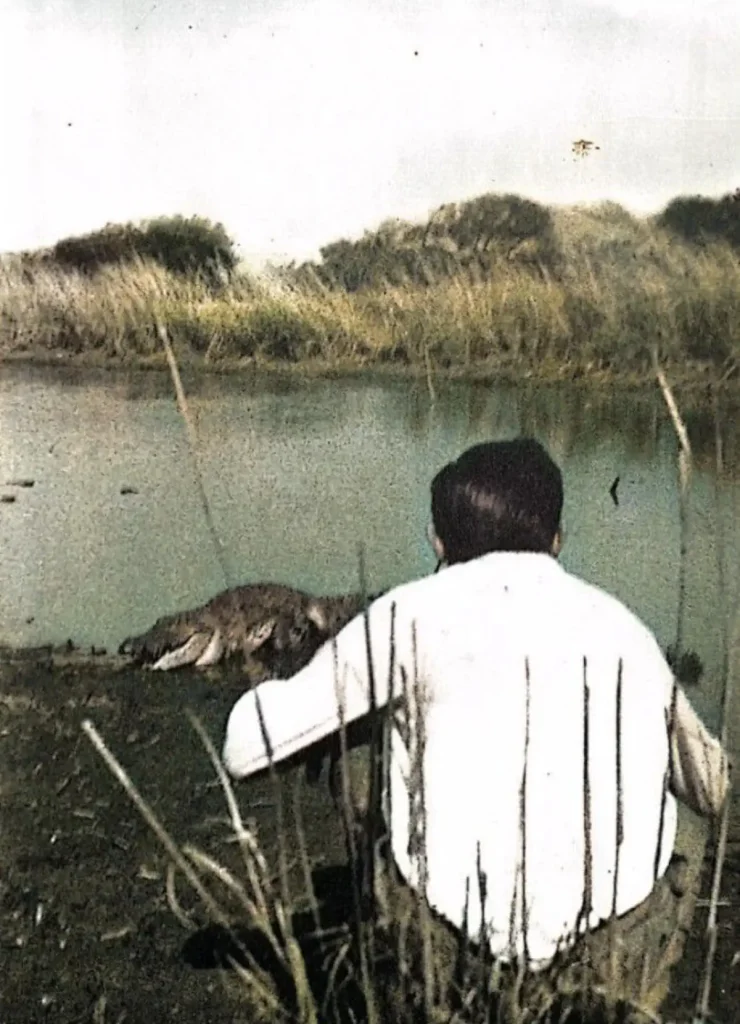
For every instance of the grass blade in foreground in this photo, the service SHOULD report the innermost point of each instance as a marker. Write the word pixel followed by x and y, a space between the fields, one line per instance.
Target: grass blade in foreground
pixel 731 666
pixel 182 404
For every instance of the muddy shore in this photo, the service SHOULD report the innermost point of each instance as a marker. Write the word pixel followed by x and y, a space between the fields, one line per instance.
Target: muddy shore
pixel 86 933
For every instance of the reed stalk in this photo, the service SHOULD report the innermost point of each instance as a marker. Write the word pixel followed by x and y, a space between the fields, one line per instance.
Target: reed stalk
pixel 182 404
pixel 429 375
pixel 263 910
pixel 730 671
pixel 685 461
pixel 257 980
pixel 153 822
pixel 364 951
pixel 684 480
pixel 730 657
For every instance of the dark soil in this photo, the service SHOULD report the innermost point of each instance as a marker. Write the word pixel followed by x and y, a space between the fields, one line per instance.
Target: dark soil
pixel 86 932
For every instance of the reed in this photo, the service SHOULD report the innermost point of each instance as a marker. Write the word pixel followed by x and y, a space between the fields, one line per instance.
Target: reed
pixel 730 653
pixel 182 404
pixel 730 671
pixel 617 287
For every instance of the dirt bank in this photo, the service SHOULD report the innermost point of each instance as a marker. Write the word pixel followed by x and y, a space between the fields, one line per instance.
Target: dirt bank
pixel 85 930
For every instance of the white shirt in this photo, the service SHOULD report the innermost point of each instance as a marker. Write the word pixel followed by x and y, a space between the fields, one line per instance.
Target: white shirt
pixel 477 626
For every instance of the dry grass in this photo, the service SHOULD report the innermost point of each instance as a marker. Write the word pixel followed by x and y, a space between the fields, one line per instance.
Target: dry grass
pixel 620 287
pixel 372 968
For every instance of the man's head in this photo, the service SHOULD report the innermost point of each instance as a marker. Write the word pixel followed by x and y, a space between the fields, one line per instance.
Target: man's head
pixel 500 496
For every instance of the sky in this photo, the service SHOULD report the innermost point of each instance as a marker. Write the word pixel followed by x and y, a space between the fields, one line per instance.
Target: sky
pixel 296 122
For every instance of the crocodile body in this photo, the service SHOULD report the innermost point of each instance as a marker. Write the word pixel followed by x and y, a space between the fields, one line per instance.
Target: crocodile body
pixel 277 626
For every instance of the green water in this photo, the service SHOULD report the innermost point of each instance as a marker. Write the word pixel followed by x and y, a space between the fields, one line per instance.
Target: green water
pixel 298 474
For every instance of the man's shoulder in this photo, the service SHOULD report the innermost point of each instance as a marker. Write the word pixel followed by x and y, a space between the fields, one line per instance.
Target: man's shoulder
pixel 602 610
pixel 410 592
pixel 565 595
pixel 426 597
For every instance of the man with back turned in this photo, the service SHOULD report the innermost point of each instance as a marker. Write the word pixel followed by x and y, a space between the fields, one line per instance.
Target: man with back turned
pixel 555 738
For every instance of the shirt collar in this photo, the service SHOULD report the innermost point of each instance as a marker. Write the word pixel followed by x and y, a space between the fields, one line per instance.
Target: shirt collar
pixel 529 564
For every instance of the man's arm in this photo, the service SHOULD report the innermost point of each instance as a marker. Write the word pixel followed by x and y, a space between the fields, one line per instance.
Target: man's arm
pixel 700 769
pixel 299 712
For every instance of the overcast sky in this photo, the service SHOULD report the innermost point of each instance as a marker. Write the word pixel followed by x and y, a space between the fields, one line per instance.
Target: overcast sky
pixel 295 122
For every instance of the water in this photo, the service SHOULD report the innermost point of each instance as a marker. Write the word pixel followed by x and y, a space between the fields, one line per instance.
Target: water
pixel 298 474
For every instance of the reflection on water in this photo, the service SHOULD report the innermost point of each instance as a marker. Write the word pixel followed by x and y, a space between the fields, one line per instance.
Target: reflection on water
pixel 299 473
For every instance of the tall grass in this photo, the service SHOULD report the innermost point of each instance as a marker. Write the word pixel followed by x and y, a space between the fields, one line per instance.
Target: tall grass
pixel 385 961
pixel 619 286
pixel 371 968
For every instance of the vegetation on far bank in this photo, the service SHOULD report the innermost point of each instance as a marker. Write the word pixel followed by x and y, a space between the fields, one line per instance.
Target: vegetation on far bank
pixel 496 286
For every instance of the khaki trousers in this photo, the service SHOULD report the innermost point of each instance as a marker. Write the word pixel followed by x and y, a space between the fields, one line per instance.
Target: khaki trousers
pixel 628 959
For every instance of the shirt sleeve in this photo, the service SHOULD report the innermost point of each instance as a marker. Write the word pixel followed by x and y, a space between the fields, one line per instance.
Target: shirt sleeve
pixel 700 769
pixel 295 713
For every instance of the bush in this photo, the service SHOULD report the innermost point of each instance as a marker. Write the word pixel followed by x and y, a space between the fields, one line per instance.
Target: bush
pixel 185 246
pixel 700 219
pixel 473 236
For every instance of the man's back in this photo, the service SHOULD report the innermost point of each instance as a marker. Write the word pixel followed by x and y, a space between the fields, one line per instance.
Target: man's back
pixel 510 651
pixel 530 744
pixel 515 654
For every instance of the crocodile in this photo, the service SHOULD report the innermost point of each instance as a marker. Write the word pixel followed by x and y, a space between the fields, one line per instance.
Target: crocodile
pixel 278 626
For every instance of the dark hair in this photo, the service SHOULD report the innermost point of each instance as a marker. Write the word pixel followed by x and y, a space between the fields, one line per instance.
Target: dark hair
pixel 499 496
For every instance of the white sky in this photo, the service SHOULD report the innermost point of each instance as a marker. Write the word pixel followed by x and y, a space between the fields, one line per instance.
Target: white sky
pixel 301 121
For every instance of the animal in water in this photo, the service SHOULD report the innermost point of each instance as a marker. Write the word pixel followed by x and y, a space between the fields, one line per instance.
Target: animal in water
pixel 613 491
pixel 273 627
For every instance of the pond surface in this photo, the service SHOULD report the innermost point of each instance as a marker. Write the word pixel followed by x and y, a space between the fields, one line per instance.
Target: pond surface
pixel 299 473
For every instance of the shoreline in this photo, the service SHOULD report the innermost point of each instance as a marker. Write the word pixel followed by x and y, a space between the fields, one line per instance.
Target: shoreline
pixel 689 380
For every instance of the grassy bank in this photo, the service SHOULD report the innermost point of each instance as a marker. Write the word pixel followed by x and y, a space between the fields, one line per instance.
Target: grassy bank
pixel 617 287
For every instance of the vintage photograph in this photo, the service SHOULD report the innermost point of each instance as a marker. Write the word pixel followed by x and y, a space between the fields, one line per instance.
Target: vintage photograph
pixel 369 512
